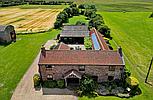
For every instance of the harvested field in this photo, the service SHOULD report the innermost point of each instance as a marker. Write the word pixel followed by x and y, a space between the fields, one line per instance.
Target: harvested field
pixel 29 20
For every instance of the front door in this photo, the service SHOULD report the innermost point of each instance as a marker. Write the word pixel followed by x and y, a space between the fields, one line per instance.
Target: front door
pixel 72 81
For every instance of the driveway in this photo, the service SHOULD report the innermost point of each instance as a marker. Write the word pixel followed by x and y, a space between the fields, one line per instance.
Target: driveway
pixel 26 91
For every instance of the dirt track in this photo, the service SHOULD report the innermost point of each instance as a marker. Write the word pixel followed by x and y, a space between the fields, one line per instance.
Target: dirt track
pixel 26 91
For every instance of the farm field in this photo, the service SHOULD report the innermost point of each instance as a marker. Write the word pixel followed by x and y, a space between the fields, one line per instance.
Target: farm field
pixel 28 19
pixel 16 58
pixel 133 32
pixel 120 5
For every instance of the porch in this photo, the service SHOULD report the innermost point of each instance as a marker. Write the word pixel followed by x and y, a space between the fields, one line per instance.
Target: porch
pixel 72 78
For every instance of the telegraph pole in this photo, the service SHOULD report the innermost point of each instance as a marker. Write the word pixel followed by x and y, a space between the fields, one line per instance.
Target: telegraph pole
pixel 149 70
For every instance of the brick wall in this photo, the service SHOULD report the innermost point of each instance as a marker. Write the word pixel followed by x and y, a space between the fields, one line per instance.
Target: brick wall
pixel 102 72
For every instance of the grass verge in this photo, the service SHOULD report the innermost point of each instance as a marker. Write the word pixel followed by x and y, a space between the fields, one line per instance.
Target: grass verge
pixel 16 58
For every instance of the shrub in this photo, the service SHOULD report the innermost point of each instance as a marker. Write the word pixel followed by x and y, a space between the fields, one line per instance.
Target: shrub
pixel 151 16
pixel 87 85
pixel 135 91
pixel 50 84
pixel 36 80
pixel 60 83
pixel 103 29
pixel 80 23
pixel 132 81
pixel 134 85
pixel 88 43
pixel 127 73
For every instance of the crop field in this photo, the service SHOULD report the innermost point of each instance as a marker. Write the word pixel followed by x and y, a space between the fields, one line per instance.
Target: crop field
pixel 29 20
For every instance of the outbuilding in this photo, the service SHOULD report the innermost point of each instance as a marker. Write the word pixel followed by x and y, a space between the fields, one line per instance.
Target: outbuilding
pixel 7 33
pixel 74 34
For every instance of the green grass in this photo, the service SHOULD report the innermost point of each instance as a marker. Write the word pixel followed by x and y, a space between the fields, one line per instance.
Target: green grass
pixel 16 58
pixel 120 5
pixel 133 32
pixel 74 19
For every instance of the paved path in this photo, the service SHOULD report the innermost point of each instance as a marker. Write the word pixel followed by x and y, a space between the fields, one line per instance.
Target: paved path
pixel 25 90
pixel 50 43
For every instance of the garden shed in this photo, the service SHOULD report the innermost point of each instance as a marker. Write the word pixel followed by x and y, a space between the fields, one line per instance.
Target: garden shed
pixel 7 33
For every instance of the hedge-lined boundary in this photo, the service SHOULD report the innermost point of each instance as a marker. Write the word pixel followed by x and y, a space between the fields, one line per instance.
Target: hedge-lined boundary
pixel 95 20
pixel 7 3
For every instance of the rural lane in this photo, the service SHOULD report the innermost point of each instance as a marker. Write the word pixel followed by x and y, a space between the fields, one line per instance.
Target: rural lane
pixel 26 91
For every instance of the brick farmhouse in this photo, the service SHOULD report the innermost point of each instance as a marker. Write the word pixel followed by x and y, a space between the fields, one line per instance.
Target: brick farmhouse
pixel 63 62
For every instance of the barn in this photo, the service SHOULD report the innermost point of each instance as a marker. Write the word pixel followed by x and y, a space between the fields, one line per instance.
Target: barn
pixel 74 34
pixel 7 33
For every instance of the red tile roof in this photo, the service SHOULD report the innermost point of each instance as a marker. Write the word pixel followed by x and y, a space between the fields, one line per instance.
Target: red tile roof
pixel 63 46
pixel 74 72
pixel 81 57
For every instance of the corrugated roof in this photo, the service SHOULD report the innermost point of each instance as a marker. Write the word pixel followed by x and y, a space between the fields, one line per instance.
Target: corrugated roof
pixel 74 31
pixel 75 28
pixel 81 57
pixel 3 27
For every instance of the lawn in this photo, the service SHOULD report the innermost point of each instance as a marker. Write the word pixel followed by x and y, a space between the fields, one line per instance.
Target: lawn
pixel 16 58
pixel 133 32
pixel 120 5
pixel 74 19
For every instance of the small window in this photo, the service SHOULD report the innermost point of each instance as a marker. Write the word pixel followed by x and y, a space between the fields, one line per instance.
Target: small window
pixel 49 77
pixel 110 78
pixel 48 66
pixel 111 68
pixel 81 68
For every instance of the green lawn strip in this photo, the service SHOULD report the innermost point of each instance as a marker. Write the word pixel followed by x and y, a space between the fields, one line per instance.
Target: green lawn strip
pixel 74 19
pixel 16 58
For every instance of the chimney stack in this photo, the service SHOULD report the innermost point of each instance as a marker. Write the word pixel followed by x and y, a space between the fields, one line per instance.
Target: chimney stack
pixel 120 51
pixel 43 51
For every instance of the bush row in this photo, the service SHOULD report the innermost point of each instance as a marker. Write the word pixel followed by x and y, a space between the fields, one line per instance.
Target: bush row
pixel 49 83
pixel 95 20
pixel 6 3
pixel 63 16
pixel 53 84
pixel 44 2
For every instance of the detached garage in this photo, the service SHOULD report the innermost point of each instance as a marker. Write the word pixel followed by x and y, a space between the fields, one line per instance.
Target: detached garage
pixel 7 33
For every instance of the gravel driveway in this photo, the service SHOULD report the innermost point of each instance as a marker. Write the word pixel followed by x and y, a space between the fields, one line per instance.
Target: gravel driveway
pixel 25 90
